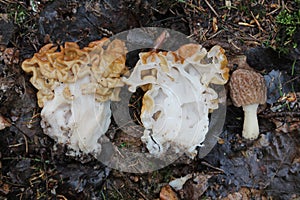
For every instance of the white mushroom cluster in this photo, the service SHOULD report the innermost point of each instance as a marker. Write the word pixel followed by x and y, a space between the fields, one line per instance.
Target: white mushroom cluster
pixel 75 87
pixel 178 99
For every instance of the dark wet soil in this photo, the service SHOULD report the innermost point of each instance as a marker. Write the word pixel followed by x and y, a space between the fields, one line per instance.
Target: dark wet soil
pixel 32 166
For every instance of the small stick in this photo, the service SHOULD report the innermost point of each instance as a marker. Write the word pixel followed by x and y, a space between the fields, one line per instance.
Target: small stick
pixel 257 22
pixel 214 35
pixel 280 114
pixel 211 8
pixel 291 80
pixel 161 39
pixel 143 196
pixel 209 165
pixel 245 24
pixel 26 143
pixel 232 43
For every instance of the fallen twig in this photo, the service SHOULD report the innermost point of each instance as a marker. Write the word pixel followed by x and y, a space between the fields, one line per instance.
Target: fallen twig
pixel 212 9
pixel 143 195
pixel 280 114
pixel 245 24
pixel 26 143
pixel 209 165
pixel 257 22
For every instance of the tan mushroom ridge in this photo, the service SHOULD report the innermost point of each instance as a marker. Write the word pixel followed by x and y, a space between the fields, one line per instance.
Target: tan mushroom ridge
pixel 178 98
pixel 75 86
pixel 51 67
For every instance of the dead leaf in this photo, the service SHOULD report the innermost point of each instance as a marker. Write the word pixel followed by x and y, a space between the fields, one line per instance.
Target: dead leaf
pixel 166 193
pixel 4 123
pixel 215 25
pixel 5 188
pixel 286 125
pixel 194 188
pixel 276 84
pixel 245 193
pixel 11 56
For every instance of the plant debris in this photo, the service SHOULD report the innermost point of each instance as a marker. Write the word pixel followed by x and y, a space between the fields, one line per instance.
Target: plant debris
pixel 32 167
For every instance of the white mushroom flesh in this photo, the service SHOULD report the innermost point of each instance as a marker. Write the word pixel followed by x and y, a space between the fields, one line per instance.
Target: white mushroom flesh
pixel 75 89
pixel 250 127
pixel 79 122
pixel 176 107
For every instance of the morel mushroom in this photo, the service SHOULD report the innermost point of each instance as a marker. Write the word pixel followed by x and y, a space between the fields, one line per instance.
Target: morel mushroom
pixel 248 89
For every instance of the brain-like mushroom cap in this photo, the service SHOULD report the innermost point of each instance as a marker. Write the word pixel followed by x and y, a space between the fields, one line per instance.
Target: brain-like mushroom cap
pixel 102 60
pixel 247 87
pixel 75 88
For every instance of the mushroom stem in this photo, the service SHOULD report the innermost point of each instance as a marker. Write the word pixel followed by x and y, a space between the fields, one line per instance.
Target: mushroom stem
pixel 251 129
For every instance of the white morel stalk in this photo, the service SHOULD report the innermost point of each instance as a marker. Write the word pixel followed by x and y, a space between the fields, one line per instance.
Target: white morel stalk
pixel 251 129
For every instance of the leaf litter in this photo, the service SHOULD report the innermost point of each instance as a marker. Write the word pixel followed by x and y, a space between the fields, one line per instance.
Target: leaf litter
pixel 32 167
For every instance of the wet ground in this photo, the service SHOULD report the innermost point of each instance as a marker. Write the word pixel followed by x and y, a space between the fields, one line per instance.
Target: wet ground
pixel 33 167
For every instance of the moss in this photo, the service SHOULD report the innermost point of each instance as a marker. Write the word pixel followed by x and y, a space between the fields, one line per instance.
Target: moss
pixel 18 13
pixel 288 22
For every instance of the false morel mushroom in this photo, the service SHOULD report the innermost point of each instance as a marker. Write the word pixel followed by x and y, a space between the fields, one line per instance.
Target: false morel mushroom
pixel 248 89
pixel 179 98
pixel 75 87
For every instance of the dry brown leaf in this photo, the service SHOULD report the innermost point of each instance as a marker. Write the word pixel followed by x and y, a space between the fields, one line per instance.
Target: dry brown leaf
pixel 215 25
pixel 166 193
pixel 286 125
pixel 10 56
pixel 194 188
pixel 4 123
pixel 245 194
pixel 5 188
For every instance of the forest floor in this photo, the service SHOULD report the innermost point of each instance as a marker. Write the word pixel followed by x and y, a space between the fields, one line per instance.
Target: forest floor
pixel 264 33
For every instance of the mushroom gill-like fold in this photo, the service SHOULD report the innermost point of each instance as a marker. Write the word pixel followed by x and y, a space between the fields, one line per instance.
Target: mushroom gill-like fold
pixel 75 87
pixel 177 103
pixel 211 66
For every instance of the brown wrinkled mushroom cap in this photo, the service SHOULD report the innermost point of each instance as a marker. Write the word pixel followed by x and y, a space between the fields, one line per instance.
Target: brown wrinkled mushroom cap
pixel 247 87
pixel 103 61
